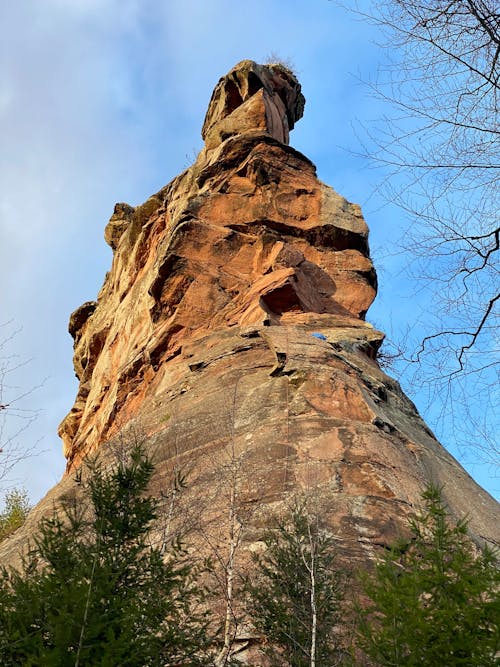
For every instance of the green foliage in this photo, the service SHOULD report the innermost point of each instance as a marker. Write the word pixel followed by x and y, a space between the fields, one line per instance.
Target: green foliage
pixel 17 507
pixel 432 600
pixel 295 599
pixel 93 591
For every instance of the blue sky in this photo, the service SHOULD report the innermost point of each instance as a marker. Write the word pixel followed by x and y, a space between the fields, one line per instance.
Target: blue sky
pixel 102 101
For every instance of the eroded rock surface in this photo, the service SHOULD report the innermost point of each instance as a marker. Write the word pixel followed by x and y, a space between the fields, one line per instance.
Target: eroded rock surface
pixel 246 236
pixel 230 332
pixel 207 325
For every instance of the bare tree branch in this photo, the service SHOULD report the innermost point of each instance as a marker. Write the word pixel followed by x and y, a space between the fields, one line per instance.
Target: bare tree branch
pixel 15 417
pixel 438 145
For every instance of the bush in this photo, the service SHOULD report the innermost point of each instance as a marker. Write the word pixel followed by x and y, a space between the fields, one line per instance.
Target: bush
pixel 296 596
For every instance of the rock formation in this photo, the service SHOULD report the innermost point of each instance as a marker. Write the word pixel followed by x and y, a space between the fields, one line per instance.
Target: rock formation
pixel 247 237
pixel 230 330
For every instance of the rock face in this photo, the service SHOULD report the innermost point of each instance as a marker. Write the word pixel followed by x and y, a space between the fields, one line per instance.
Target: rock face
pixel 248 236
pixel 230 331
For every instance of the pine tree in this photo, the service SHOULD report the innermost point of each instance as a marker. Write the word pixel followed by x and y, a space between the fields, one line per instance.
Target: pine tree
pixel 296 594
pixel 93 591
pixel 433 600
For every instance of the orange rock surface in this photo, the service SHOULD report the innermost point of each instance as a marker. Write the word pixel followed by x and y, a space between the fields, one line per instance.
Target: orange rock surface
pixel 230 332
pixel 246 236
pixel 206 330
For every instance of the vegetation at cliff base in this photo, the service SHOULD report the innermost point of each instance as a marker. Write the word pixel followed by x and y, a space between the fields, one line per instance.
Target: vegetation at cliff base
pixel 297 596
pixel 93 591
pixel 433 600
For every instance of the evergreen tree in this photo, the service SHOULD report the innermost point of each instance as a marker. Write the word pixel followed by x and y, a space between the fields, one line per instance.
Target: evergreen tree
pixel 432 600
pixel 17 507
pixel 93 591
pixel 295 598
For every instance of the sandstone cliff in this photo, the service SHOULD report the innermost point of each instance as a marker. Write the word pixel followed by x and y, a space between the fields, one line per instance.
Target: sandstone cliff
pixel 230 331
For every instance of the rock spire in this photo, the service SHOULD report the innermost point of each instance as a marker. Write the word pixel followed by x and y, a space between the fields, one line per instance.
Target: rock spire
pixel 230 332
pixel 247 236
pixel 236 304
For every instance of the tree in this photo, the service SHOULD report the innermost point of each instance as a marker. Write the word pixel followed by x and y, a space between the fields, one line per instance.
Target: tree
pixel 15 417
pixel 432 600
pixel 93 591
pixel 439 144
pixel 218 520
pixel 296 599
pixel 17 507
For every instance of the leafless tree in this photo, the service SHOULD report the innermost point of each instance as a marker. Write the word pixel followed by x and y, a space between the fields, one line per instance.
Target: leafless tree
pixel 296 597
pixel 439 145
pixel 223 536
pixel 15 417
pixel 216 514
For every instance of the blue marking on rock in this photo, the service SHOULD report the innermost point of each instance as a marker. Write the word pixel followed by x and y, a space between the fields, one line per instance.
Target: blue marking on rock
pixel 321 336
